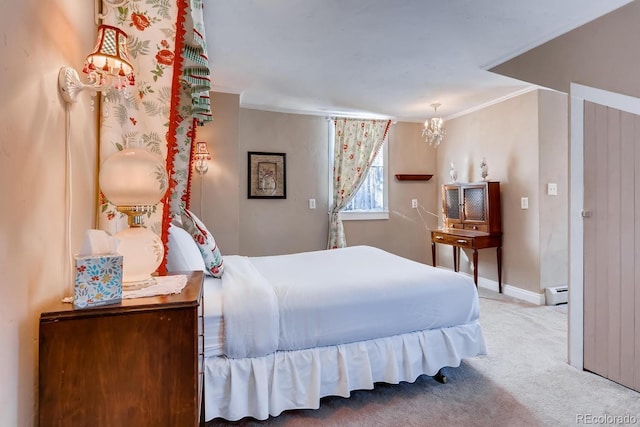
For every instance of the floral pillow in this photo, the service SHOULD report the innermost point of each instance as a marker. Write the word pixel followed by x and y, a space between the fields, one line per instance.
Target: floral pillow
pixel 206 243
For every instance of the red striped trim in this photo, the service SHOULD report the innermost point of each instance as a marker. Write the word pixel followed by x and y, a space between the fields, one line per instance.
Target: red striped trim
pixel 386 129
pixel 174 122
pixel 187 196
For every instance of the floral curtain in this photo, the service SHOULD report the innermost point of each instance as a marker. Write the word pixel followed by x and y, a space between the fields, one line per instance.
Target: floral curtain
pixel 167 47
pixel 357 143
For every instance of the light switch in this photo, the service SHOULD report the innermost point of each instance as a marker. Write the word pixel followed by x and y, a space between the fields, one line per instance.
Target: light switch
pixel 524 203
pixel 312 203
pixel 552 189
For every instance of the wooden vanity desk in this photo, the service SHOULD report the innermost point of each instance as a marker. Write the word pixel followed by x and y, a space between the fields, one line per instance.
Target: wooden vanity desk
pixel 471 220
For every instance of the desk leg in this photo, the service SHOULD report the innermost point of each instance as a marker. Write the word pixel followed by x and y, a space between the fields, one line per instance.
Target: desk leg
pixel 456 266
pixel 499 253
pixel 433 253
pixel 475 266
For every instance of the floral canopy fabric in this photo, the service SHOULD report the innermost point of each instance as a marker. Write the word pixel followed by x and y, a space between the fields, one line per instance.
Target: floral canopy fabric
pixel 166 41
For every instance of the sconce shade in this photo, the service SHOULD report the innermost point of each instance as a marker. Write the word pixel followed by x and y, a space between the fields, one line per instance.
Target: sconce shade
pixel 202 151
pixel 110 54
pixel 200 157
pixel 108 66
pixel 133 177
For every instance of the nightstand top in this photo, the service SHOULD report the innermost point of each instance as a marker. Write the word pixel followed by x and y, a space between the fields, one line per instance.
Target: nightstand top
pixel 190 296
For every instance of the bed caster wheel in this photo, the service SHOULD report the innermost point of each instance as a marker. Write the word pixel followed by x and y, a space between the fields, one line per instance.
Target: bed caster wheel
pixel 440 377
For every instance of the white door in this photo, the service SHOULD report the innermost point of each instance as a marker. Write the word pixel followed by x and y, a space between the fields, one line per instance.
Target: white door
pixel 611 240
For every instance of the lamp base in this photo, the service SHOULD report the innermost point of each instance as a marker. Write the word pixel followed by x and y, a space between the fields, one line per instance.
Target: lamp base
pixel 142 253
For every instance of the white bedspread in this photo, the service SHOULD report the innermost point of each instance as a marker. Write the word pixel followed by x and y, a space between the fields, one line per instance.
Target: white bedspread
pixel 312 299
pixel 250 310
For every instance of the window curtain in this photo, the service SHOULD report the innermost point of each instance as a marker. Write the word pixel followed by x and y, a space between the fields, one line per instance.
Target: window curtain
pixel 166 43
pixel 356 145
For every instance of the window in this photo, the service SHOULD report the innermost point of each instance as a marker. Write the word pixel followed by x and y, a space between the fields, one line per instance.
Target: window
pixel 370 202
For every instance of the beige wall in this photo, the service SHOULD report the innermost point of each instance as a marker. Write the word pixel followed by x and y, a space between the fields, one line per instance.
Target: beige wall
pixel 553 168
pixel 506 134
pixel 219 189
pixel 525 143
pixel 38 38
pixel 271 227
pixel 603 53
pixel 267 227
pixel 405 233
pixel 524 140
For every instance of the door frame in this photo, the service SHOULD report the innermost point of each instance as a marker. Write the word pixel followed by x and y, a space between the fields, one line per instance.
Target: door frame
pixel 577 95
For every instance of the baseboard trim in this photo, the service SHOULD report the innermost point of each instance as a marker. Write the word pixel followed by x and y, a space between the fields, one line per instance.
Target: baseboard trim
pixel 512 291
pixel 509 290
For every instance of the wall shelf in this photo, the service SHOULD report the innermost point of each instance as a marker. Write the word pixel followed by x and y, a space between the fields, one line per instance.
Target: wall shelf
pixel 412 177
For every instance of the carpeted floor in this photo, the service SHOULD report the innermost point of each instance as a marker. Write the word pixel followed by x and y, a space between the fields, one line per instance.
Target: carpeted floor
pixel 523 381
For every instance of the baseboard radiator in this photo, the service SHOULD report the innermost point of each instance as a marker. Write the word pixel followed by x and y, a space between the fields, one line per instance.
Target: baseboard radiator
pixel 556 295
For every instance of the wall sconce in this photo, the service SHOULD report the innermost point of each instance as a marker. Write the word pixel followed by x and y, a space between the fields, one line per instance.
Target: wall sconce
pixel 107 66
pixel 201 158
pixel 135 180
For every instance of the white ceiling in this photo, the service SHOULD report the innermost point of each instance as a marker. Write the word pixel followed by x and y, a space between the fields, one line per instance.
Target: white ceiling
pixel 388 58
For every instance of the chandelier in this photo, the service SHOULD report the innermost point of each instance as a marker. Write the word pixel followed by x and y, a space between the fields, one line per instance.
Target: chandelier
pixel 433 131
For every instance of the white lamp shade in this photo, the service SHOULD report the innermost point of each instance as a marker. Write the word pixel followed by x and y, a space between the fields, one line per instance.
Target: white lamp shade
pixel 142 252
pixel 133 177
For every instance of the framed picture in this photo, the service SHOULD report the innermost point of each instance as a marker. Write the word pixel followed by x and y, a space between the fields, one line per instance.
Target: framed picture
pixel 267 175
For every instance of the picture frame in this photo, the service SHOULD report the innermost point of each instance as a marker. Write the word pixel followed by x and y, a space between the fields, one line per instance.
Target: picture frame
pixel 267 175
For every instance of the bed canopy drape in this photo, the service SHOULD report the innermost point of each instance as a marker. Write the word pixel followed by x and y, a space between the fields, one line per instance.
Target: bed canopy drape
pixel 169 100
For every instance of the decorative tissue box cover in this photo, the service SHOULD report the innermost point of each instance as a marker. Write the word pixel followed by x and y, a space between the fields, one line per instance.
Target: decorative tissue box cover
pixel 98 280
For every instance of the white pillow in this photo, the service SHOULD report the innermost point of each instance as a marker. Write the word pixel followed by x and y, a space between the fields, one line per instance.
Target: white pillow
pixel 184 254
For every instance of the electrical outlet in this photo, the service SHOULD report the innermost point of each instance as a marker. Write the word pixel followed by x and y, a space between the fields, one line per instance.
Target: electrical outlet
pixel 524 203
pixel 414 203
pixel 552 189
pixel 312 203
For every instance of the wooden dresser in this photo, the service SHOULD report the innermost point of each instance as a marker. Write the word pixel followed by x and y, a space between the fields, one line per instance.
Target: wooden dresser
pixel 138 363
pixel 471 220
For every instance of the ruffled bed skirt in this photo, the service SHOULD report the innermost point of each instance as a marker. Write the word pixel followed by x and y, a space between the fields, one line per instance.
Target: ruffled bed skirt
pixel 262 386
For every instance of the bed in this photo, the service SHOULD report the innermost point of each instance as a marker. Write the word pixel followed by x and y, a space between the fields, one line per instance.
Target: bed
pixel 283 331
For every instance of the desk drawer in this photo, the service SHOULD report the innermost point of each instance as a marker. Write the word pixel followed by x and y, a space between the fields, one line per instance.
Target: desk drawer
pixel 477 227
pixel 447 239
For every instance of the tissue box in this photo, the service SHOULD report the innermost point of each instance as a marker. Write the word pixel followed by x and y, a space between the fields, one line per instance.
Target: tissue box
pixel 98 280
